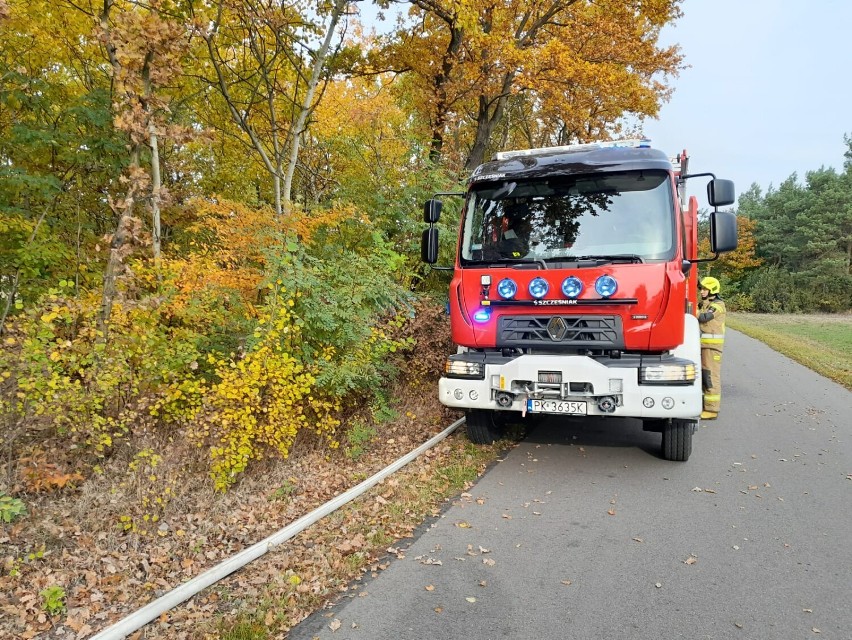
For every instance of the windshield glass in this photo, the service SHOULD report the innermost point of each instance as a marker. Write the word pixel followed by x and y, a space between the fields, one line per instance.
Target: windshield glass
pixel 607 215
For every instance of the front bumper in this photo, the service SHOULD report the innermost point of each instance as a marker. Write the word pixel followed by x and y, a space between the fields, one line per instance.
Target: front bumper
pixel 609 387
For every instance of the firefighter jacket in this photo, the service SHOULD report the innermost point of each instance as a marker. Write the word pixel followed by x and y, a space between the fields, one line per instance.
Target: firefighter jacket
pixel 711 318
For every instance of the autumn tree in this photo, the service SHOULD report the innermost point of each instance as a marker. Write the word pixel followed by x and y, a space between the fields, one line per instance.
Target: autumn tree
pixel 59 154
pixel 569 69
pixel 734 265
pixel 266 60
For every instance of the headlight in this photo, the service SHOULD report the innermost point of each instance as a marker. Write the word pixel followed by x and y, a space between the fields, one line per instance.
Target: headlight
pixel 539 288
pixel 676 373
pixel 507 288
pixel 606 286
pixel 572 287
pixel 464 369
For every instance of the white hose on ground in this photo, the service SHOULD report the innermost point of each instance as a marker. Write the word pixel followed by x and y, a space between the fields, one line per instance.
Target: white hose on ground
pixel 143 616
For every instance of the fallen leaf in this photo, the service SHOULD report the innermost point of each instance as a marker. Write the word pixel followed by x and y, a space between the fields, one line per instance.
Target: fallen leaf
pixel 483 583
pixel 430 587
pixel 439 609
pixel 690 560
pixel 507 516
pixel 815 630
pixel 463 525
pixel 638 540
pixel 738 625
pixel 470 599
pixel 611 512
pixel 567 583
pixel 334 625
pixel 808 610
pixel 489 562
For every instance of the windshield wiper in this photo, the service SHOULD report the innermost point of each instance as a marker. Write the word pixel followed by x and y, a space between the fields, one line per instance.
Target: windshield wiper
pixel 618 257
pixel 509 263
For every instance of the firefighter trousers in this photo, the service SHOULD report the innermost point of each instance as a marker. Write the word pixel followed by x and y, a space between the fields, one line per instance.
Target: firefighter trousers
pixel 711 378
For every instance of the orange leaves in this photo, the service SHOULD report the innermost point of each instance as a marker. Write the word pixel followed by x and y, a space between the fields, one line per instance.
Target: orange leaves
pixel 569 67
pixel 40 475
pixel 734 264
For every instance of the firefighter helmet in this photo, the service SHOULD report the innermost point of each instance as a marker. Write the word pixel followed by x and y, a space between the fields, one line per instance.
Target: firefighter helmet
pixel 711 284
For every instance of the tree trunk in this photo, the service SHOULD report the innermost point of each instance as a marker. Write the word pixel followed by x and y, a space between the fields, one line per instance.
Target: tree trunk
pixel 442 105
pixel 487 119
pixel 299 127
pixel 155 191
pixel 113 267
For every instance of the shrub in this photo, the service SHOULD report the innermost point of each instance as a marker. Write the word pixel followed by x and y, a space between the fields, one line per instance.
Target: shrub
pixel 11 508
pixel 53 600
pixel 264 399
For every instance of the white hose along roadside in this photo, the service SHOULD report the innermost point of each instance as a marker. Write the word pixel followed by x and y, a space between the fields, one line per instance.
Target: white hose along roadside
pixel 143 616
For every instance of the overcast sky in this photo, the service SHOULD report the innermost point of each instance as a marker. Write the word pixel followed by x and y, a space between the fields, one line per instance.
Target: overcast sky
pixel 768 92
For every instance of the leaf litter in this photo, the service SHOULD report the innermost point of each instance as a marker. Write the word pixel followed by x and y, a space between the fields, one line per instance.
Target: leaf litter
pixel 108 573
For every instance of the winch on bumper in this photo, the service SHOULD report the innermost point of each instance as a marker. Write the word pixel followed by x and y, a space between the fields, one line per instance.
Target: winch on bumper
pixel 638 386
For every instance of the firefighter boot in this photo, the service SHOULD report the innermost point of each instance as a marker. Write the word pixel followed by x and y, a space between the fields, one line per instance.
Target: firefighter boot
pixel 709 415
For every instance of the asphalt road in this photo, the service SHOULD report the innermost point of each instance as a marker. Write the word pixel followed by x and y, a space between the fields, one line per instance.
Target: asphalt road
pixel 583 531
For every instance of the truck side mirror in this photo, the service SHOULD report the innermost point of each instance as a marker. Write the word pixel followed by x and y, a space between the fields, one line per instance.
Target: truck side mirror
pixel 720 193
pixel 429 245
pixel 432 211
pixel 723 230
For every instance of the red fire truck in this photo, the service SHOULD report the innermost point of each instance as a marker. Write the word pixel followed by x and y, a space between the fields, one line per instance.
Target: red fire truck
pixel 574 289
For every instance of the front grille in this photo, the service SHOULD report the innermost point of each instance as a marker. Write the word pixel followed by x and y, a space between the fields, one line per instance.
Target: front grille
pixel 588 332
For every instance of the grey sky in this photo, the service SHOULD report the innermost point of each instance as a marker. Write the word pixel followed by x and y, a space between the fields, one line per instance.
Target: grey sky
pixel 768 92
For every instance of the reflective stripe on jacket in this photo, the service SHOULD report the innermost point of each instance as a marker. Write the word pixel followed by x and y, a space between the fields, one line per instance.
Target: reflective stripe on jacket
pixel 713 331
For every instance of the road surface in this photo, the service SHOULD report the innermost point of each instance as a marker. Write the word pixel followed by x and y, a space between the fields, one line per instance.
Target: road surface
pixel 583 531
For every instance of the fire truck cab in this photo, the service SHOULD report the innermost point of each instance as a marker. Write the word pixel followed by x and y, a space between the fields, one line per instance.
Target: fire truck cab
pixel 574 289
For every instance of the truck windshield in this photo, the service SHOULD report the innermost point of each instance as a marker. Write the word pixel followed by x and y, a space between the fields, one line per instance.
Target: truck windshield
pixel 610 216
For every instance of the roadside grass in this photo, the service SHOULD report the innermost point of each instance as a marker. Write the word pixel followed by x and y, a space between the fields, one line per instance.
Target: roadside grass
pixel 820 342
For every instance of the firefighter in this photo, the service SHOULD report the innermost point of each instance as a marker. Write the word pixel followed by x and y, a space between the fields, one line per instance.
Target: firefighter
pixel 511 234
pixel 711 318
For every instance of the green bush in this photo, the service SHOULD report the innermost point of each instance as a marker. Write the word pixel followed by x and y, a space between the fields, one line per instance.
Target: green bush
pixel 11 508
pixel 53 600
pixel 346 304
pixel 772 290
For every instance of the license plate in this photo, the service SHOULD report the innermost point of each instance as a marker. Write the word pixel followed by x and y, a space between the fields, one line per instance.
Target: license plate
pixel 556 406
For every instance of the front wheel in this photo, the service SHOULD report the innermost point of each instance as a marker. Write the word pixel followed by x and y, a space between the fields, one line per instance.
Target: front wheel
pixel 677 440
pixel 482 427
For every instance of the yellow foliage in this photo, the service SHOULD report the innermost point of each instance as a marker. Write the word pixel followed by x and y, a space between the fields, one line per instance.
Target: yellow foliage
pixel 262 401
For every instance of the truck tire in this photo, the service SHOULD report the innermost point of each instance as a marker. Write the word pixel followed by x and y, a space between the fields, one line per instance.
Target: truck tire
pixel 677 440
pixel 482 427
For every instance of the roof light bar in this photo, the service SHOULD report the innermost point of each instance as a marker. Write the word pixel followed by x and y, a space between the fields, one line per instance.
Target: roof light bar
pixel 632 143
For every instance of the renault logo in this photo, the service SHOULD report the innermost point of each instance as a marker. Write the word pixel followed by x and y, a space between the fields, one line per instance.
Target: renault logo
pixel 557 328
